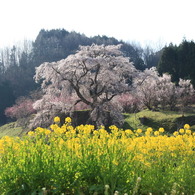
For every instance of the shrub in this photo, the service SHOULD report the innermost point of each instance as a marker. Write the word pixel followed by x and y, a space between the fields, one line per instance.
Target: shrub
pixel 22 108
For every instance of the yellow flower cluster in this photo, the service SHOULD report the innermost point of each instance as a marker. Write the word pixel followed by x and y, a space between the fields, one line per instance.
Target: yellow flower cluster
pixel 146 146
pixel 67 119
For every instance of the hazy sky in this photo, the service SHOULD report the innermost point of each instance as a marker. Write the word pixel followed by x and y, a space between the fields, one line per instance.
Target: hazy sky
pixel 144 21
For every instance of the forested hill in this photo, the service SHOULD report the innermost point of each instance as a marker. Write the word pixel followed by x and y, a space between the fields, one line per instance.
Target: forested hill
pixel 54 45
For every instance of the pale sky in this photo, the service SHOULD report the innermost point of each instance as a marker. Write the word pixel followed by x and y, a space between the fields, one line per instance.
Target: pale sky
pixel 144 21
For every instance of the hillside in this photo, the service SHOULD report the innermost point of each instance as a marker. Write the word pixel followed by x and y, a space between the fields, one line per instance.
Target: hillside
pixel 11 129
pixel 170 121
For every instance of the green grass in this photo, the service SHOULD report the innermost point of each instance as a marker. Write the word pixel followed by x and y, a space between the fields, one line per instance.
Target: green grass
pixel 11 129
pixel 171 121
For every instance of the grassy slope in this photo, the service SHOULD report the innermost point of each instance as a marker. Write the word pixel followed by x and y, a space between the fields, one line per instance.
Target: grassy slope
pixel 171 121
pixel 10 129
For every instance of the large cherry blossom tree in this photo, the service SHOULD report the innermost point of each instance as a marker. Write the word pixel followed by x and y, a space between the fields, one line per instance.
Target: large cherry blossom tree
pixel 93 76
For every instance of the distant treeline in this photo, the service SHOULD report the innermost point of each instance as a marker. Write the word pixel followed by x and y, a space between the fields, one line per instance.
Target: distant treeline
pixel 17 64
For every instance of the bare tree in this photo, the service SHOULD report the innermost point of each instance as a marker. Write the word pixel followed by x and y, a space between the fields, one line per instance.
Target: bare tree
pixel 94 76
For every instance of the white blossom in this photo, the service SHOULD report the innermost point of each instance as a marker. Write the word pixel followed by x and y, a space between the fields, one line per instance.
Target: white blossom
pixel 94 75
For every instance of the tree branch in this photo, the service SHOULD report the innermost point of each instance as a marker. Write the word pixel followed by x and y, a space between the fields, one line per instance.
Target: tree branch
pixel 75 87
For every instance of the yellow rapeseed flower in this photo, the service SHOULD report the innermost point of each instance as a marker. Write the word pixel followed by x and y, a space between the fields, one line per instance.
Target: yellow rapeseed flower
pixel 149 129
pixel 186 126
pixel 156 133
pixel 47 132
pixel 95 132
pixel 54 127
pixel 161 130
pixel 188 131
pixel 31 133
pixel 68 120
pixel 57 119
pixel 147 133
pixel 58 131
pixel 113 129
pixel 128 131
pixel 61 142
pixel 7 138
pixel 39 130
pixel 176 133
pixel 139 131
pixel 181 131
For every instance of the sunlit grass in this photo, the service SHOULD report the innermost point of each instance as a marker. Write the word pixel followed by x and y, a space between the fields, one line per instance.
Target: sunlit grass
pixel 155 119
pixel 11 129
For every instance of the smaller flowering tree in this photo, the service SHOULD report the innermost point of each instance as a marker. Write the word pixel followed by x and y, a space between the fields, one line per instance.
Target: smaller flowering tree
pixel 158 91
pixel 186 93
pixel 167 92
pixel 146 88
pixel 23 108
pixel 21 111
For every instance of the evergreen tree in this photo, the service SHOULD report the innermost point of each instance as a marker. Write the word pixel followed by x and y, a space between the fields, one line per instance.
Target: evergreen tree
pixel 57 44
pixel 6 99
pixel 169 62
pixel 179 61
